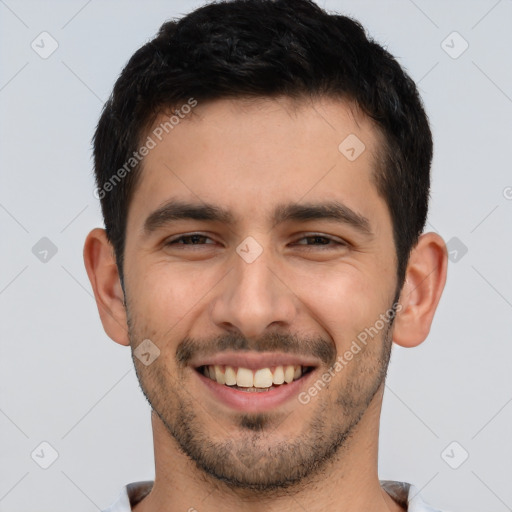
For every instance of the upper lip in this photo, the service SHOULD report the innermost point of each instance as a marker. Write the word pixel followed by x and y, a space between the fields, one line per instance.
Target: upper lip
pixel 254 360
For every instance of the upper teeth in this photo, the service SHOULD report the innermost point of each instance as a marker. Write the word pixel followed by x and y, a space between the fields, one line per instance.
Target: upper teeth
pixel 246 378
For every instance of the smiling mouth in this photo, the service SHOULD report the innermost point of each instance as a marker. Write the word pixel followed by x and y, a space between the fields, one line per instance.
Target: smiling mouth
pixel 259 380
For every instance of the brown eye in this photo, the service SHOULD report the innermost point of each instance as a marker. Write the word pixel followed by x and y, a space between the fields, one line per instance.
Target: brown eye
pixel 192 239
pixel 321 241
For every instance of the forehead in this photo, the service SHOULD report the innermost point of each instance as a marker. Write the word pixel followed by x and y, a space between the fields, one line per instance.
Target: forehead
pixel 252 154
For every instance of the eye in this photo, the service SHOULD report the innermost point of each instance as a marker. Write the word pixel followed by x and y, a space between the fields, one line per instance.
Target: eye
pixel 191 239
pixel 325 242
pixel 309 242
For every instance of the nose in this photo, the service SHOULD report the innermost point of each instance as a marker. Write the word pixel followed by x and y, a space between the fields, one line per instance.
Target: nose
pixel 254 297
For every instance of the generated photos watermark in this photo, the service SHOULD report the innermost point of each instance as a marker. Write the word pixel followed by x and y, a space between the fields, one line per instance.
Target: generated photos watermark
pixel 355 348
pixel 152 141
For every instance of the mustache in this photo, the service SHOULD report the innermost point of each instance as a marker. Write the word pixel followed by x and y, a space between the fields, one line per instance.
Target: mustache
pixel 270 342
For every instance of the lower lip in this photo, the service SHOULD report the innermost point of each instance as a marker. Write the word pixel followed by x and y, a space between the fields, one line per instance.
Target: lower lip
pixel 256 401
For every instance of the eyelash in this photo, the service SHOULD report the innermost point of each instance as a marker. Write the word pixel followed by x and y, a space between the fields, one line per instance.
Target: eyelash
pixel 311 235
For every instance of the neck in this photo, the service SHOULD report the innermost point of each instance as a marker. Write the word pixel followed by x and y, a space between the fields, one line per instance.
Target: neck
pixel 349 482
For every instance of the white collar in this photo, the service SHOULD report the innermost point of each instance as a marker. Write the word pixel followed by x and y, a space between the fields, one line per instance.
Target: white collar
pixel 405 494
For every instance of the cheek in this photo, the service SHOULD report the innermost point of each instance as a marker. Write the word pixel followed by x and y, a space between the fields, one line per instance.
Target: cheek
pixel 342 301
pixel 164 294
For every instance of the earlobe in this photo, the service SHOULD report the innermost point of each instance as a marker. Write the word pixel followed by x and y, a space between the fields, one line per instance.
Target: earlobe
pixel 103 274
pixel 420 295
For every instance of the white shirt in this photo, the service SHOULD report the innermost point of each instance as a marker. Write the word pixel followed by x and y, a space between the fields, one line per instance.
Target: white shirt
pixel 405 494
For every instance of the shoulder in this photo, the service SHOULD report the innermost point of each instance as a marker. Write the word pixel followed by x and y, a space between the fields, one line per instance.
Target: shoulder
pixel 407 496
pixel 130 495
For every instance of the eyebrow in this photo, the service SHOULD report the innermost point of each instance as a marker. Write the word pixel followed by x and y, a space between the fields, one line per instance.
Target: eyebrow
pixel 175 210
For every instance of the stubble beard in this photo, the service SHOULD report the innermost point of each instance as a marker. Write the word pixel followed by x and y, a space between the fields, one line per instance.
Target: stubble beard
pixel 244 457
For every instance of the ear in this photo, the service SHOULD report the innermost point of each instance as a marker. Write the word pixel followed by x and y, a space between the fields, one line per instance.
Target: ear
pixel 103 274
pixel 424 282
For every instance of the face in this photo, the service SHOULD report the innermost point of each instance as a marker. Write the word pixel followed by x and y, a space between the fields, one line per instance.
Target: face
pixel 258 257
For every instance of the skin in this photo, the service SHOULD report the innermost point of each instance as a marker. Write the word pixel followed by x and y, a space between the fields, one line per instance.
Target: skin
pixel 247 157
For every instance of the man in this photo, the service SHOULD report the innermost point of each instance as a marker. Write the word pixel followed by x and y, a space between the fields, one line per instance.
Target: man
pixel 263 170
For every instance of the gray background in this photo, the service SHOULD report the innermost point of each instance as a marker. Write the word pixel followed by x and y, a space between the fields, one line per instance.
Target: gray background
pixel 64 382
